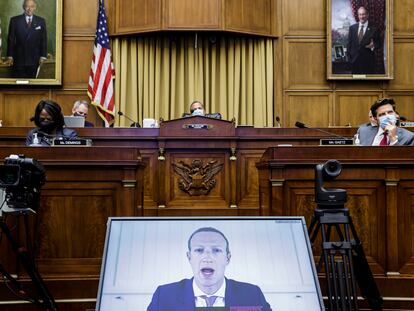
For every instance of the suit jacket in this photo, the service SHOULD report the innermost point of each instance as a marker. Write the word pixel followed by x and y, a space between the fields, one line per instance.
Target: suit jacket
pixel 357 52
pixel 26 45
pixel 89 124
pixel 366 135
pixel 179 296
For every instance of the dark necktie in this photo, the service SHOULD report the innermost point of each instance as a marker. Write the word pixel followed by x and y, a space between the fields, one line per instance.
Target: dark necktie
pixel 360 33
pixel 383 141
pixel 29 22
pixel 209 300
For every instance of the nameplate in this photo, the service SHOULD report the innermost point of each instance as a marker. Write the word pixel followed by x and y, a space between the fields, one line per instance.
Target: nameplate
pixel 407 124
pixel 198 126
pixel 72 142
pixel 336 142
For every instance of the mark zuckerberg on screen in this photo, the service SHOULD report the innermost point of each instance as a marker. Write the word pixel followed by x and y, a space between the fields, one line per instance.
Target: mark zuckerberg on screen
pixel 208 254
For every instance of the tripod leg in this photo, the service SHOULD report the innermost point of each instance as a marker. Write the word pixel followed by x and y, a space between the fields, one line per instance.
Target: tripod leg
pixel 351 265
pixel 17 287
pixel 363 273
pixel 314 233
pixel 328 269
pixel 47 299
pixel 342 285
pixel 349 278
pixel 335 279
pixel 346 277
pixel 339 231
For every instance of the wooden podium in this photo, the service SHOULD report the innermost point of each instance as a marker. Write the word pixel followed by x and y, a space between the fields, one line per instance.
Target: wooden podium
pixel 380 187
pixel 196 167
pixel 238 148
pixel 84 186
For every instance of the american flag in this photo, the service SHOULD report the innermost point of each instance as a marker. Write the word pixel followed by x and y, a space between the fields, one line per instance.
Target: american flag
pixel 101 86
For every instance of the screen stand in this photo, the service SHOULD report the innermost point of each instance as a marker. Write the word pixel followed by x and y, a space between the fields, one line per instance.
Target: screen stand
pixel 344 260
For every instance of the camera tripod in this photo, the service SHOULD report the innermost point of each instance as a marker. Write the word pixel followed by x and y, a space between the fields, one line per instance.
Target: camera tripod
pixel 344 260
pixel 45 299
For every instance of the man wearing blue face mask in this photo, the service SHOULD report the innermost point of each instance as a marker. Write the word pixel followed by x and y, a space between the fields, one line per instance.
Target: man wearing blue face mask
pixel 197 109
pixel 387 133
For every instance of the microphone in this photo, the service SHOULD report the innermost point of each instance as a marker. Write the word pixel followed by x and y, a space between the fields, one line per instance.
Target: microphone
pixel 133 124
pixel 303 126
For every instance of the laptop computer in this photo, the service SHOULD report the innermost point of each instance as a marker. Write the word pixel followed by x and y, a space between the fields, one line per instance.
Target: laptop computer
pixel 272 253
pixel 72 121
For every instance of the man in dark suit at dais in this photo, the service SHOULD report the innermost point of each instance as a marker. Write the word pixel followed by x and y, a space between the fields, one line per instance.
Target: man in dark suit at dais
pixel 208 254
pixel 27 42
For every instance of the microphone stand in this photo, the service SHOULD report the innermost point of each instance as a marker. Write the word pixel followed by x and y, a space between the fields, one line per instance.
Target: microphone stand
pixel 302 125
pixel 134 123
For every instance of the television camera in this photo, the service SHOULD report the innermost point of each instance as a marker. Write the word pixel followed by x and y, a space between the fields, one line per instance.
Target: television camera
pixel 22 179
pixel 343 256
pixel 325 196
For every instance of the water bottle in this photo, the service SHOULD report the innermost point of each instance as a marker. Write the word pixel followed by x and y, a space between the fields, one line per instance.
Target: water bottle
pixel 356 140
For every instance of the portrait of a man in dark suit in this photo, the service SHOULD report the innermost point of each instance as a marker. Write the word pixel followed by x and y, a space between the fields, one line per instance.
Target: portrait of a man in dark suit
pixel 363 40
pixel 27 42
pixel 208 254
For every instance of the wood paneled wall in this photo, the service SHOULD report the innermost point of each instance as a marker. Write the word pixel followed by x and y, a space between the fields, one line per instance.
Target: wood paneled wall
pixel 302 91
pixel 306 95
pixel 17 103
pixel 243 16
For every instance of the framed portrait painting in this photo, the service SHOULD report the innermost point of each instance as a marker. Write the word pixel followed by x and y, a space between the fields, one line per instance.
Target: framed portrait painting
pixel 31 42
pixel 359 40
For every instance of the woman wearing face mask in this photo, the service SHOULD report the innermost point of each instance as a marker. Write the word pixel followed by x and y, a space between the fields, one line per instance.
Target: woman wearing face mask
pixel 50 124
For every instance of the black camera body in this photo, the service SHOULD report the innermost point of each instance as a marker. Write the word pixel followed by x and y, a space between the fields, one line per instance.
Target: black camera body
pixel 326 196
pixel 22 179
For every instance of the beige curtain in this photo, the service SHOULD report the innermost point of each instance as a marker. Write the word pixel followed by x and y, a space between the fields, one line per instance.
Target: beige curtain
pixel 159 76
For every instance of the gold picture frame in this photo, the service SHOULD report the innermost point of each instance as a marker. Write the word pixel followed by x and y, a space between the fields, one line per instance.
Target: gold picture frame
pixel 47 16
pixel 355 52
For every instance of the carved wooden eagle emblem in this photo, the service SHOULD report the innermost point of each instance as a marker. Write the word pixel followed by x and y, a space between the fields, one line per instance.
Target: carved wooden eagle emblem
pixel 197 178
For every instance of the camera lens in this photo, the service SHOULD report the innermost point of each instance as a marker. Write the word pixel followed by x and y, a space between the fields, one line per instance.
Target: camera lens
pixel 332 168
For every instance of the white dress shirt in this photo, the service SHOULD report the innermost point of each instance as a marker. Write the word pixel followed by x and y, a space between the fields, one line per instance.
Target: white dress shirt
pixel 201 302
pixel 379 136
pixel 364 27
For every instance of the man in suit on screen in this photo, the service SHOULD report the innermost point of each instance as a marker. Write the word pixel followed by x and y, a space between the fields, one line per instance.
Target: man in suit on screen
pixel 208 254
pixel 27 42
pixel 363 40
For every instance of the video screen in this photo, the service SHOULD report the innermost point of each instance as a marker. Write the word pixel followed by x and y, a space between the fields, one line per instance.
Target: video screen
pixel 236 264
